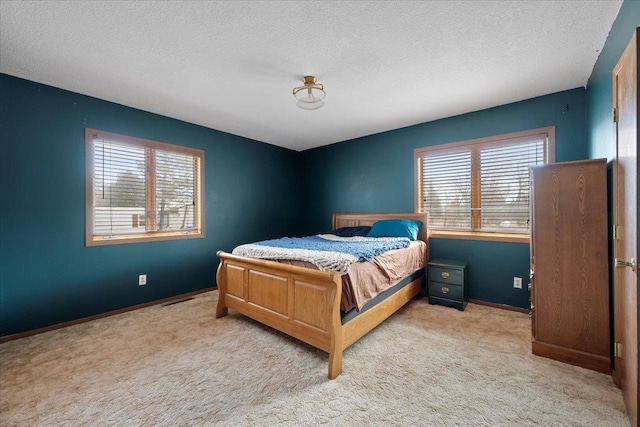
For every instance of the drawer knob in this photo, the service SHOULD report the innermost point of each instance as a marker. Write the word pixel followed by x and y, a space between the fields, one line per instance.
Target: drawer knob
pixel 445 290
pixel 445 275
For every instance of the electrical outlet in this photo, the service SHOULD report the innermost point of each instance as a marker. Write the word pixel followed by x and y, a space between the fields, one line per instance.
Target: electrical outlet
pixel 517 282
pixel 142 279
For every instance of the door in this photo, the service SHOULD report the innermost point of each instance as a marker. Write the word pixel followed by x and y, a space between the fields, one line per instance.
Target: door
pixel 625 244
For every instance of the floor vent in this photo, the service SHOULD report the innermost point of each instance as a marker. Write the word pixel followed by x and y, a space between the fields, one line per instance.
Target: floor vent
pixel 177 302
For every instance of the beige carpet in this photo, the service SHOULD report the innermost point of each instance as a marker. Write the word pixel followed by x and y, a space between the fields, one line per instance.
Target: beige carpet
pixel 177 365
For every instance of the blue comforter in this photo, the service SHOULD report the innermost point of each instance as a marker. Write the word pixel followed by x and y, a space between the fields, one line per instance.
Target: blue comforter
pixel 363 250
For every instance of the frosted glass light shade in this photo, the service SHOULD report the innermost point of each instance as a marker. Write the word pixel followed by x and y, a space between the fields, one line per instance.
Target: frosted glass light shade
pixel 310 105
pixel 311 95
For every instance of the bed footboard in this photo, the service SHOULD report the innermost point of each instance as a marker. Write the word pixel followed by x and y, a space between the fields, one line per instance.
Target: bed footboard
pixel 300 302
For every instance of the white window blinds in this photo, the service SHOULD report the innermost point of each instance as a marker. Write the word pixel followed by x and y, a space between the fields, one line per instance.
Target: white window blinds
pixel 175 191
pixel 141 190
pixel 447 190
pixel 482 185
pixel 120 189
pixel 504 185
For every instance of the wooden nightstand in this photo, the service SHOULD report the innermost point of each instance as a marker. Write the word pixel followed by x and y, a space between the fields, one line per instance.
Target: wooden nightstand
pixel 448 282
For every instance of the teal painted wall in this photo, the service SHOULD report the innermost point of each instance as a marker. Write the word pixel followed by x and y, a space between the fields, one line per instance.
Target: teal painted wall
pixel 47 275
pixel 376 173
pixel 600 86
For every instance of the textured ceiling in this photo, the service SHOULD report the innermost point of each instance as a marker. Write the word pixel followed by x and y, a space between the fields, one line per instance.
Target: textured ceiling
pixel 231 65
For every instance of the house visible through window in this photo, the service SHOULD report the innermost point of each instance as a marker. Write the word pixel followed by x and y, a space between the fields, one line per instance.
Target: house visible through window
pixel 481 186
pixel 141 190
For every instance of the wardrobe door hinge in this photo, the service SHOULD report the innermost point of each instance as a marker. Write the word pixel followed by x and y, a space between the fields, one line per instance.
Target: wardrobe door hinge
pixel 615 115
pixel 616 232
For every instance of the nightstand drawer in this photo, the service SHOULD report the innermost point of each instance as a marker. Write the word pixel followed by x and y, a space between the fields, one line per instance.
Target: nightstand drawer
pixel 446 290
pixel 446 275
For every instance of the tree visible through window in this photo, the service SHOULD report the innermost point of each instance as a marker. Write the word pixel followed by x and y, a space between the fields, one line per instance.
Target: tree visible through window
pixel 140 190
pixel 481 185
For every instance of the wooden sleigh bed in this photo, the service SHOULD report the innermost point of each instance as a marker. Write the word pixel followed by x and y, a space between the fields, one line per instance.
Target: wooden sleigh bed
pixel 305 303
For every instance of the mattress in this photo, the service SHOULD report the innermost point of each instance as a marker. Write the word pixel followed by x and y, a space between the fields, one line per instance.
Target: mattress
pixel 366 280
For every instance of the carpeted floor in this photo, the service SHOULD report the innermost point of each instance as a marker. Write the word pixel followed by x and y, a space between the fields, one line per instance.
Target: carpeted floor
pixel 177 365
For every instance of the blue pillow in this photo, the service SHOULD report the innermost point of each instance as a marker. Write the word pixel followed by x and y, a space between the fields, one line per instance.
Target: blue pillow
pixel 362 230
pixel 396 228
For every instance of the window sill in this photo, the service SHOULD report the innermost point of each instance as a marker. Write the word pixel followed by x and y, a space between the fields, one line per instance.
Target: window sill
pixel 476 235
pixel 140 238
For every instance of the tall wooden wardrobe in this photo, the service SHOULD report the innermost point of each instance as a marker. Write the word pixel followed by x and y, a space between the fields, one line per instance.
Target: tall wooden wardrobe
pixel 569 263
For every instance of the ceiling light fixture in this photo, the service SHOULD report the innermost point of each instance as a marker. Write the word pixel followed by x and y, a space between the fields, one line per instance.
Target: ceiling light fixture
pixel 311 95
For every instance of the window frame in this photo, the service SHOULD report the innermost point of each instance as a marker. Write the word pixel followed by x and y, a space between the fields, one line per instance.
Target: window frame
pixel 148 236
pixel 475 145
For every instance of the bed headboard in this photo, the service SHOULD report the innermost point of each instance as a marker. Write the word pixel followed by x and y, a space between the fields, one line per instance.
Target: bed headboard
pixel 353 219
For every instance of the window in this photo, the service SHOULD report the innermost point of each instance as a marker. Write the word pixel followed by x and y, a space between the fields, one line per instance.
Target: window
pixel 480 188
pixel 140 190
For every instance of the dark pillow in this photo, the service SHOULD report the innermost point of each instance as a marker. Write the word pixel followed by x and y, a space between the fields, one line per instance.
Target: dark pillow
pixel 362 230
pixel 396 228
